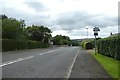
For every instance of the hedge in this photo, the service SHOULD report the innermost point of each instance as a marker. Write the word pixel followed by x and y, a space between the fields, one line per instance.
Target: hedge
pixel 109 47
pixel 87 45
pixel 10 45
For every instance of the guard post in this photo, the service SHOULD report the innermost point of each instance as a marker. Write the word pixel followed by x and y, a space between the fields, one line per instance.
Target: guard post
pixel 96 29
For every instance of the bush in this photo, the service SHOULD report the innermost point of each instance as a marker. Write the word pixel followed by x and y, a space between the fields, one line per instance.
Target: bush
pixel 109 47
pixel 33 44
pixel 10 45
pixel 87 45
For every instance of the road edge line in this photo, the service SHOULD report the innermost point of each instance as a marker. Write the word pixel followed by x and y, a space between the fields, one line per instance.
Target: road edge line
pixel 71 67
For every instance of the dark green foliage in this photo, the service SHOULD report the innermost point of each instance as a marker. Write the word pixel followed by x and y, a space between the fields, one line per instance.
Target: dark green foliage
pixel 33 44
pixel 12 28
pixel 10 45
pixel 87 45
pixel 16 36
pixel 38 33
pixel 74 43
pixel 3 16
pixel 61 40
pixel 93 41
pixel 109 47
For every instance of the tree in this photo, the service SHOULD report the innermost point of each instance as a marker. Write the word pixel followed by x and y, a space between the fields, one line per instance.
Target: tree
pixel 39 33
pixel 61 40
pixel 3 16
pixel 11 28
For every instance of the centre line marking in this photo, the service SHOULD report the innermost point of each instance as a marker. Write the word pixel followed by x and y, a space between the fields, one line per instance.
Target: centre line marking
pixel 49 52
pixel 14 61
pixel 21 59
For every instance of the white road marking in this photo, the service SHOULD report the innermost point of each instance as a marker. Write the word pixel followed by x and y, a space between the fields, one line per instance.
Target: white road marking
pixel 14 61
pixel 71 66
pixel 21 59
pixel 49 52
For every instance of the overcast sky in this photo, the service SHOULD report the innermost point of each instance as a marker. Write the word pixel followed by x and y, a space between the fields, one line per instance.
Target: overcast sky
pixel 66 17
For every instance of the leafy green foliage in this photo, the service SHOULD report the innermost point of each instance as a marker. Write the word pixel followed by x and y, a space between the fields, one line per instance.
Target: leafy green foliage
pixel 9 44
pixel 61 40
pixel 38 33
pixel 16 36
pixel 11 28
pixel 74 43
pixel 87 45
pixel 109 47
pixel 93 41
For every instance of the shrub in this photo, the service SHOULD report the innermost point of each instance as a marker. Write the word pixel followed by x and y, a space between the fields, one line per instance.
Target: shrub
pixel 10 45
pixel 32 44
pixel 109 47
pixel 87 45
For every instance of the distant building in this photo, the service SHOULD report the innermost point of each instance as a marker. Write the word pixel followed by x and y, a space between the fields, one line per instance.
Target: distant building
pixel 113 35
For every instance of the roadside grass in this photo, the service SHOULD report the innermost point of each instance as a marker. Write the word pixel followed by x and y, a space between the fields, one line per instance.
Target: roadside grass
pixel 109 64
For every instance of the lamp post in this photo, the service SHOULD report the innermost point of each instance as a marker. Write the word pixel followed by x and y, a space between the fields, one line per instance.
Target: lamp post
pixel 87 31
pixel 96 29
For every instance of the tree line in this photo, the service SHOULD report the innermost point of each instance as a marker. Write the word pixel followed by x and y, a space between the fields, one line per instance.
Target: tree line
pixel 17 30
pixel 14 29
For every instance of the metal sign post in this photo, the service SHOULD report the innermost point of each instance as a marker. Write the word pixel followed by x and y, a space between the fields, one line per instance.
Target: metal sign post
pixel 96 29
pixel 95 45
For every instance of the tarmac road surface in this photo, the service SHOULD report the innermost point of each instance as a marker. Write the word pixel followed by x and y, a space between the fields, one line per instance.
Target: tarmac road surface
pixel 56 62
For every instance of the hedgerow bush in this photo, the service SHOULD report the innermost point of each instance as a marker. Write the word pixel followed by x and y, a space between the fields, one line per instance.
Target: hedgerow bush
pixel 10 45
pixel 87 45
pixel 109 47
pixel 33 44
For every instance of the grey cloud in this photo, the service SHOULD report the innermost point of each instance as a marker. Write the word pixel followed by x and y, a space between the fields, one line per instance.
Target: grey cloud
pixel 77 20
pixel 67 21
pixel 102 22
pixel 37 6
pixel 29 18
pixel 10 12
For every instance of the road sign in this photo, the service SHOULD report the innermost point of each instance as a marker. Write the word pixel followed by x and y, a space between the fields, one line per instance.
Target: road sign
pixel 96 29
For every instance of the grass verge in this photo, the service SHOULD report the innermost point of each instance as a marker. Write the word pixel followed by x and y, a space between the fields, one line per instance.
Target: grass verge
pixel 109 64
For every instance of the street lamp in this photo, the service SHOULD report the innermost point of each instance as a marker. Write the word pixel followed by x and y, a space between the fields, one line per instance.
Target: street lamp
pixel 87 31
pixel 96 29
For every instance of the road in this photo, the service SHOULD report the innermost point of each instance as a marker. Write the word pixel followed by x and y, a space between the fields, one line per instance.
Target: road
pixel 58 62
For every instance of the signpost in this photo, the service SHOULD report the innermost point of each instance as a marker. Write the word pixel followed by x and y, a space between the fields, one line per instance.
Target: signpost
pixel 96 29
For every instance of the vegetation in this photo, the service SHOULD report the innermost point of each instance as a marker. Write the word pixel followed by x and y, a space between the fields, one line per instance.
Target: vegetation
pixel 109 64
pixel 87 45
pixel 16 35
pixel 61 40
pixel 12 28
pixel 74 43
pixel 109 47
pixel 93 41
pixel 38 33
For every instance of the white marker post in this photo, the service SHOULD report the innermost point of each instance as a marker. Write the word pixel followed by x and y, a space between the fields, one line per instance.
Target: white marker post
pixel 96 29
